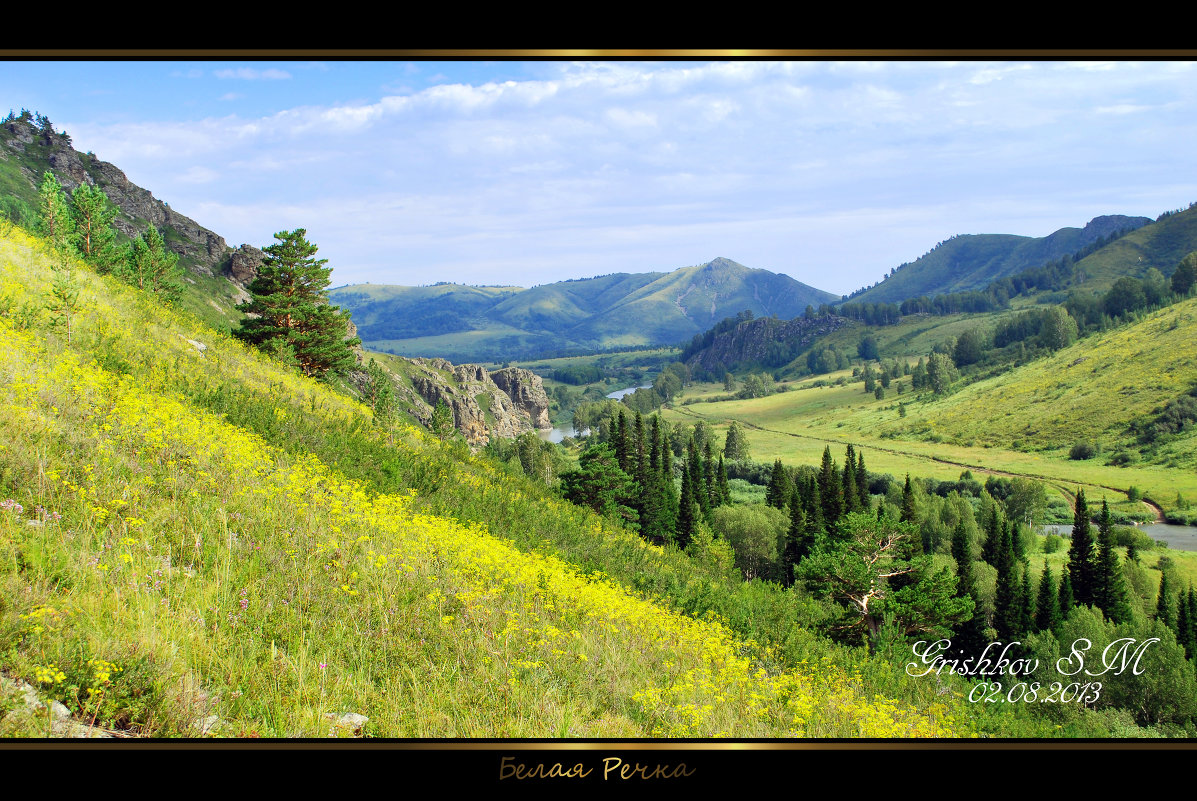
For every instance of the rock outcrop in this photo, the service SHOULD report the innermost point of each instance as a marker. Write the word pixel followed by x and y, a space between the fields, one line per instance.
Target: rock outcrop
pixel 200 250
pixel 482 407
pixel 526 390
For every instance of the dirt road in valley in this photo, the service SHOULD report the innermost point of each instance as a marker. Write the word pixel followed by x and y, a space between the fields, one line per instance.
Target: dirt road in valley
pixel 1051 480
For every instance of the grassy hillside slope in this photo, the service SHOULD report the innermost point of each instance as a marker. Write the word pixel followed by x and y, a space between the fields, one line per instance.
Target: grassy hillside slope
pixel 191 533
pixel 1023 422
pixel 972 261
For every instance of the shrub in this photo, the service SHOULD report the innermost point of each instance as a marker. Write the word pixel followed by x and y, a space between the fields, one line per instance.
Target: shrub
pixel 1083 450
pixel 1053 543
pixel 1122 457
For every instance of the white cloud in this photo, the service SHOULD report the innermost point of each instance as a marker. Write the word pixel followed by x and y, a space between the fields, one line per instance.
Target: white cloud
pixel 1122 108
pixel 198 175
pixel 250 74
pixel 654 166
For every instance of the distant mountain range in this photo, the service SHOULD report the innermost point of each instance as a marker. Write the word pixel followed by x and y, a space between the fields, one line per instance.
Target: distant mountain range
pixel 973 261
pixel 610 311
pixel 620 310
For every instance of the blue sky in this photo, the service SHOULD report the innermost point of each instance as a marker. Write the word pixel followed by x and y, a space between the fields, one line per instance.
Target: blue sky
pixel 507 172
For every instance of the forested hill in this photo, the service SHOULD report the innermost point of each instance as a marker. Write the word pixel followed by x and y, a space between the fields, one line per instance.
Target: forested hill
pixel 616 310
pixel 972 261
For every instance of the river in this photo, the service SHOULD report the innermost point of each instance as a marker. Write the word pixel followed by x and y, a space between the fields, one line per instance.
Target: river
pixel 556 434
pixel 1180 538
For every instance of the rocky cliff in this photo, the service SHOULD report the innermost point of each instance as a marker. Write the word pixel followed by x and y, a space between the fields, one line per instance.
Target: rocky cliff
pixel 506 404
pixel 32 146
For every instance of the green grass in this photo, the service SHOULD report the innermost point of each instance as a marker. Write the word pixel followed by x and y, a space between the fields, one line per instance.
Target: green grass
pixel 1023 422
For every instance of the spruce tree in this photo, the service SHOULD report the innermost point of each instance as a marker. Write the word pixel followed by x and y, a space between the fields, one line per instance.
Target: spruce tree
pixel 991 550
pixel 714 496
pixel 293 314
pixel 848 489
pixel 862 481
pixel 1067 601
pixel 698 484
pixel 970 637
pixel 910 512
pixel 829 491
pixel 688 512
pixel 1006 612
pixel 724 489
pixel 775 492
pixel 622 446
pixel 1081 567
pixel 1110 593
pixel 1026 602
pixel 798 543
pixel 1184 624
pixel 736 444
pixel 1165 605
pixel 1047 611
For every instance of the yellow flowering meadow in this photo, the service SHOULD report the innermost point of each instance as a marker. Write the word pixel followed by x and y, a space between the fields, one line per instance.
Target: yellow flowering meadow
pixel 295 593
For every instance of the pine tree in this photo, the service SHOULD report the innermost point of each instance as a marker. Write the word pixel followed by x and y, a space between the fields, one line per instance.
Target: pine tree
pixel 293 315
pixel 94 237
pixel 1081 566
pixel 379 394
pixel 56 224
pixel 149 266
pixel 1047 611
pixel 442 424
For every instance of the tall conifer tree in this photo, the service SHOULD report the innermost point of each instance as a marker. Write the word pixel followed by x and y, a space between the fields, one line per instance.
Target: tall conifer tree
pixel 1081 567
pixel 862 481
pixel 829 491
pixel 1047 612
pixel 1110 592
pixel 293 314
pixel 1067 601
pixel 970 635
